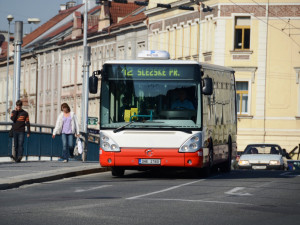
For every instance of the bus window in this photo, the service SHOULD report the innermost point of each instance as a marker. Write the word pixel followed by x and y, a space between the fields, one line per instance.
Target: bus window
pixel 169 102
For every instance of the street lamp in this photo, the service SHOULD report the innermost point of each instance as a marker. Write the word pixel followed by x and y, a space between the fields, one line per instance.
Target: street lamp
pixel 9 19
pixel 33 20
pixel 17 56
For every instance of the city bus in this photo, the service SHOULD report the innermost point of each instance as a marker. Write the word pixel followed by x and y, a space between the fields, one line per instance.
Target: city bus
pixel 159 113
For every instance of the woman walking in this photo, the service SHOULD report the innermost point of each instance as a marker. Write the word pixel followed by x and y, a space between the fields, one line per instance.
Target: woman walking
pixel 67 126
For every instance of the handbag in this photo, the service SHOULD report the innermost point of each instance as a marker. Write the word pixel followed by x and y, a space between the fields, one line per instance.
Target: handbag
pixel 79 146
pixel 11 133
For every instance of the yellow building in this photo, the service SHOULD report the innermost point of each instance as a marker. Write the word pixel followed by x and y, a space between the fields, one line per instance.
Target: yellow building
pixel 260 39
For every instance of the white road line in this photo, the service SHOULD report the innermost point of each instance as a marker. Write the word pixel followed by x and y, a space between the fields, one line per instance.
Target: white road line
pixel 235 190
pixel 91 189
pixel 285 173
pixel 164 190
pixel 288 174
pixel 195 200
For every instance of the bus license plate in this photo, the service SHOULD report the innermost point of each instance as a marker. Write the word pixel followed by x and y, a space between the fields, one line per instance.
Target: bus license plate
pixel 149 161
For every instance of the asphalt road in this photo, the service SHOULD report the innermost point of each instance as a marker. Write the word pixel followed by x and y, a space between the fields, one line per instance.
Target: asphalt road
pixel 239 197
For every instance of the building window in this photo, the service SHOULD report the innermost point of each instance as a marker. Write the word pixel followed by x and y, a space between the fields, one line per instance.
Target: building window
pixel 242 33
pixel 242 88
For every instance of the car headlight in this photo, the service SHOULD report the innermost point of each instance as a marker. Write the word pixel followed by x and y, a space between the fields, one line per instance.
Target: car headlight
pixel 193 144
pixel 274 162
pixel 244 163
pixel 107 144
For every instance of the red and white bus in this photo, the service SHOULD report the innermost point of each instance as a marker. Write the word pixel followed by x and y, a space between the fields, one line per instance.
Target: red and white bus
pixel 157 112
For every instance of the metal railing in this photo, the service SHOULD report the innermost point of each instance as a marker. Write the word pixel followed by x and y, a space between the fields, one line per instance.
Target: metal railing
pixel 41 144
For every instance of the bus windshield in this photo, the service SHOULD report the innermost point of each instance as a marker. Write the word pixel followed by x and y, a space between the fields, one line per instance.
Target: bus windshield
pixel 150 103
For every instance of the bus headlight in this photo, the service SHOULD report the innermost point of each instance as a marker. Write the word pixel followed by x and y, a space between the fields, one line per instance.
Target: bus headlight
pixel 107 144
pixel 193 144
pixel 104 138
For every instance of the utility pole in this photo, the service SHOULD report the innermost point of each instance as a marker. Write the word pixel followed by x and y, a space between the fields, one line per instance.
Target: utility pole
pixel 85 82
pixel 17 60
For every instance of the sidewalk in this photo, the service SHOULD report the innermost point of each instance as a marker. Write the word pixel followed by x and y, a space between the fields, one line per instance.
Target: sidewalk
pixel 13 175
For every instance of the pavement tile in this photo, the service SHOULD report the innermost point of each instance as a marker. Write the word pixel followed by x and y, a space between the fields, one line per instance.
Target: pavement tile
pixel 13 175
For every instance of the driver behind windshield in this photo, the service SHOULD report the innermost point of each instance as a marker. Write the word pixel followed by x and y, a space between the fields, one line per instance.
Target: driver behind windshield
pixel 182 102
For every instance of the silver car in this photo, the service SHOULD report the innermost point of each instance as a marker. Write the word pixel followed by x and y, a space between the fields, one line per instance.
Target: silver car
pixel 263 156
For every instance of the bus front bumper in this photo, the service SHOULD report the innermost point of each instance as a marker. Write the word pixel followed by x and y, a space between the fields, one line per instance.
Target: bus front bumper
pixel 162 158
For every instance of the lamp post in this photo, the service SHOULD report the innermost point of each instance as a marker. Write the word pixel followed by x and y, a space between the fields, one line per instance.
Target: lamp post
pixel 9 19
pixel 17 60
pixel 17 56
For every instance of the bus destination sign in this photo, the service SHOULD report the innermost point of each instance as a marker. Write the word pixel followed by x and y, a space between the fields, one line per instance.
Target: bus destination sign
pixel 125 71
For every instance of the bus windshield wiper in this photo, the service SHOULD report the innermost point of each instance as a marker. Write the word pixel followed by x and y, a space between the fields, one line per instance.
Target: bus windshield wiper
pixel 175 128
pixel 179 129
pixel 122 127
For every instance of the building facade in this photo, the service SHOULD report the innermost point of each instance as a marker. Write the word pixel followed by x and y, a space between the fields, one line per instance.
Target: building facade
pixel 260 40
pixel 51 65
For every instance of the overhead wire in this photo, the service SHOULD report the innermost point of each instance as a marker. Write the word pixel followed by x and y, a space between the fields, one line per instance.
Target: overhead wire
pixel 275 15
pixel 264 22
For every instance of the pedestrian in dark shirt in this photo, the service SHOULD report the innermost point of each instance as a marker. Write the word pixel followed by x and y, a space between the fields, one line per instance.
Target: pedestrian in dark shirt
pixel 20 118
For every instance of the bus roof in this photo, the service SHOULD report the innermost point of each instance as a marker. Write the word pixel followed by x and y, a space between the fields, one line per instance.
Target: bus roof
pixel 176 62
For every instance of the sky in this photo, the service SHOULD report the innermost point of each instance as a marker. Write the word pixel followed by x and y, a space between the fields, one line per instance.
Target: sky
pixel 24 9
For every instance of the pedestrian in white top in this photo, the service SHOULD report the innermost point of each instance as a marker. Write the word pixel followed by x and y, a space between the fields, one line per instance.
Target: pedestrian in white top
pixel 67 126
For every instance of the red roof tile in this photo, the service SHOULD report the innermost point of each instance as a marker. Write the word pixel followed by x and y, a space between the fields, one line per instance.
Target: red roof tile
pixel 50 23
pixel 95 9
pixel 121 10
pixel 130 19
pixel 59 30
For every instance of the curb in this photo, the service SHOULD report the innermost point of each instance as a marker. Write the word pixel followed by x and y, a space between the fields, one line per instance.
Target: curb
pixel 17 184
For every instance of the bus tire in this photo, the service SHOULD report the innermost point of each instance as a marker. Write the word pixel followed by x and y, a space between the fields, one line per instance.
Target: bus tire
pixel 117 171
pixel 208 169
pixel 227 164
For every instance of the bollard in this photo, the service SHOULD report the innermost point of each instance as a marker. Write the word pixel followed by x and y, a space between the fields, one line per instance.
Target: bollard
pixel 51 156
pixel 85 145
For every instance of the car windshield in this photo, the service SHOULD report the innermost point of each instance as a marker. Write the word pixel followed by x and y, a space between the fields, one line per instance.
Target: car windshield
pixel 150 104
pixel 263 149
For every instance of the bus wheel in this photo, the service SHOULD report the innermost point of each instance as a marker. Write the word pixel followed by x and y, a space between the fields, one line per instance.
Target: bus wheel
pixel 117 172
pixel 208 169
pixel 227 165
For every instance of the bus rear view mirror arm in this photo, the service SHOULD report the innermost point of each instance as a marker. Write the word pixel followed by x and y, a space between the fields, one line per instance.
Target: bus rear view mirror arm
pixel 207 86
pixel 93 82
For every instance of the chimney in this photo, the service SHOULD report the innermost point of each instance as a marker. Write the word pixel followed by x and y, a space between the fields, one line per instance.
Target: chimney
pixel 63 7
pixel 104 18
pixel 70 4
pixel 77 25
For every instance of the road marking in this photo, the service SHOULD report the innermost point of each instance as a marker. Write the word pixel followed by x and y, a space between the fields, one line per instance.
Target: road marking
pixel 164 190
pixel 235 190
pixel 284 174
pixel 194 200
pixel 91 189
pixel 288 174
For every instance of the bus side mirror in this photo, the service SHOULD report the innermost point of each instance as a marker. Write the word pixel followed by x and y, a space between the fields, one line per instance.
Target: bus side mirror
pixel 207 86
pixel 93 84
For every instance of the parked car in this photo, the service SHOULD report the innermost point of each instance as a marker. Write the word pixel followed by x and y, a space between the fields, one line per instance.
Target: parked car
pixel 263 156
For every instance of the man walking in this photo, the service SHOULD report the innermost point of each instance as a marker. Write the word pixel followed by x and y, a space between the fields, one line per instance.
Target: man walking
pixel 20 118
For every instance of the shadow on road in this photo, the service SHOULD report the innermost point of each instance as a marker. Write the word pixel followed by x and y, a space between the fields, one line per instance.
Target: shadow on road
pixel 188 174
